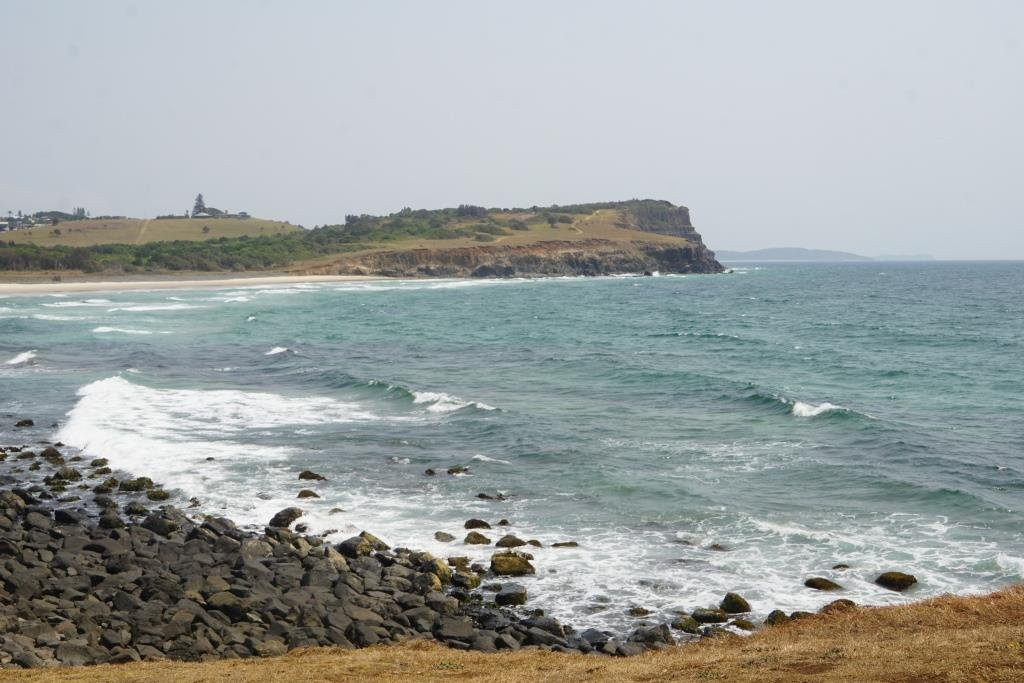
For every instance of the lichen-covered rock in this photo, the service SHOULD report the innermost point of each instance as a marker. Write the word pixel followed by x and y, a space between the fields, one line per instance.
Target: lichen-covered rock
pixel 443 537
pixel 708 615
pixel 510 541
pixel 686 623
pixel 476 538
pixel 511 563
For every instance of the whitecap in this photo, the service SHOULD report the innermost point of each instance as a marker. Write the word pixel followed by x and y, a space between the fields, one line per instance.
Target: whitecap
pixel 441 402
pixel 22 358
pixel 121 330
pixel 487 458
pixel 276 350
pixel 801 409
pixel 154 307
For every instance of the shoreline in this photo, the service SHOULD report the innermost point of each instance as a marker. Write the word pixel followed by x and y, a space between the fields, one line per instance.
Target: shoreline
pixel 170 283
pixel 196 587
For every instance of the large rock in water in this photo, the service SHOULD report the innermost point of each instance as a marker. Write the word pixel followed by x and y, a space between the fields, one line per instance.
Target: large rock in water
pixel 511 563
pixel 820 583
pixel 284 518
pixel 734 603
pixel 896 581
pixel 706 615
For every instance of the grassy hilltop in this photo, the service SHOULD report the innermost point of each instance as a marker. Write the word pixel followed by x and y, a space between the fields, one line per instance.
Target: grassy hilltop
pixel 161 245
pixel 93 231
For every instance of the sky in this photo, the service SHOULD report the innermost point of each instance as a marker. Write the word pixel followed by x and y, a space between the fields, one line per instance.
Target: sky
pixel 872 127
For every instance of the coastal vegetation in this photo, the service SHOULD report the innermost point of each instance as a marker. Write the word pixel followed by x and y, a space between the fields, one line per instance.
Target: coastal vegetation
pixel 246 244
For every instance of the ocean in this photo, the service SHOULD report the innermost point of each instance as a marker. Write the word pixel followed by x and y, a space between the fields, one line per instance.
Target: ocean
pixel 694 434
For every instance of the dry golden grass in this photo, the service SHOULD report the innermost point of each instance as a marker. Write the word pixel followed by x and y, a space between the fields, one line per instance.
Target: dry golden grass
pixel 943 639
pixel 603 225
pixel 88 232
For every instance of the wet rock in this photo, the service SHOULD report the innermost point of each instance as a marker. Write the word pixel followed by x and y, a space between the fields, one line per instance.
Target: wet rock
pixel 443 537
pixel 820 583
pixel 458 469
pixel 135 509
pixel 69 517
pixel 511 594
pixel 284 518
pixel 429 472
pixel 734 603
pixel 535 543
pixel 510 541
pixel 653 635
pixel 706 615
pixel 110 520
pixel 686 623
pixel 840 566
pixel 743 624
pixel 638 611
pixel 306 475
pixel 99 462
pixel 157 494
pixel 776 617
pixel 511 563
pixel 476 524
pixel 306 493
pixel 503 522
pixel 896 581
pixel 565 544
pixel 476 538
pixel 719 547
pixel 361 545
pixel 136 485
pixel 25 423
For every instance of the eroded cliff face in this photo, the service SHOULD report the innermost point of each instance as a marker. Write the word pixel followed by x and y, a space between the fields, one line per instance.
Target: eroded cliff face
pixel 584 257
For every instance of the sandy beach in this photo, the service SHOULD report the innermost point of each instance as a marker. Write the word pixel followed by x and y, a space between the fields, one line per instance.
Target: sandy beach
pixel 15 288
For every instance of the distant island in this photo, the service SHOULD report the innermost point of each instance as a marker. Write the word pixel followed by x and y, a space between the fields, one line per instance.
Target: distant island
pixel 800 254
pixel 634 236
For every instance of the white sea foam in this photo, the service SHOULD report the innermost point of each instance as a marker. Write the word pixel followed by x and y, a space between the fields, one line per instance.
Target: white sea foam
pixel 57 318
pixel 801 409
pixel 445 403
pixel 276 350
pixel 171 432
pixel 122 330
pixel 22 358
pixel 154 307
pixel 250 319
pixel 487 458
pixel 79 304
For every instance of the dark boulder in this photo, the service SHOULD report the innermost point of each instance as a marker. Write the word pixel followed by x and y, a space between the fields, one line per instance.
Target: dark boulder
pixel 284 518
pixel 705 615
pixel 511 594
pixel 443 537
pixel 734 603
pixel 25 423
pixel 820 583
pixel 311 476
pixel 476 524
pixel 896 581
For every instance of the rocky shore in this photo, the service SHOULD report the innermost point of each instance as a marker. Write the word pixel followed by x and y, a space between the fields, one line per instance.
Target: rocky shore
pixel 96 569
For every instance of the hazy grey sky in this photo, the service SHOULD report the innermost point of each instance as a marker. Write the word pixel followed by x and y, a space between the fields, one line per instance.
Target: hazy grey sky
pixel 875 127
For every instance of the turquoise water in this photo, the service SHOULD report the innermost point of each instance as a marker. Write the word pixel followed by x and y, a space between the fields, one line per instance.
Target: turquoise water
pixel 798 415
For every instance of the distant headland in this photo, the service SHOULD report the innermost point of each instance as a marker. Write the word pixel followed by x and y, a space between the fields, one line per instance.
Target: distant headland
pixel 634 236
pixel 801 254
